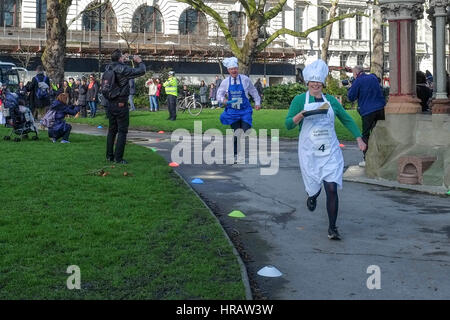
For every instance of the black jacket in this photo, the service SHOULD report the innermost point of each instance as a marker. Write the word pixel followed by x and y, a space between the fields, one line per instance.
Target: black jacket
pixel 123 75
pixel 34 101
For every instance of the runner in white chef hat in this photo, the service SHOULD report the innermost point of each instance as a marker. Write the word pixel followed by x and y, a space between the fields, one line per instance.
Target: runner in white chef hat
pixel 237 88
pixel 319 153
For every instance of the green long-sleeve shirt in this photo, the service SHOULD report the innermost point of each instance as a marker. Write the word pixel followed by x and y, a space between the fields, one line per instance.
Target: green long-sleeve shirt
pixel 298 103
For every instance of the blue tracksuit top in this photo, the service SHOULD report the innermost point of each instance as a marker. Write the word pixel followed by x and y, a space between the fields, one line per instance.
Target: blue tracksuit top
pixel 367 90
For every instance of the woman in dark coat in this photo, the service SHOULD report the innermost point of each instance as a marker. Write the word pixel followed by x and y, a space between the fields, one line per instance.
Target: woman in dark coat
pixel 92 94
pixel 423 91
pixel 60 128
pixel 82 101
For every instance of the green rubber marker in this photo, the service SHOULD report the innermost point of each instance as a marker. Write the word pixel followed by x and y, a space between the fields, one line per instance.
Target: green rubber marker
pixel 448 192
pixel 153 149
pixel 236 214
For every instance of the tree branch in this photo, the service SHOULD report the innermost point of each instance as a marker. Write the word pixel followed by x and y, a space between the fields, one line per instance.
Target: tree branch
pixel 305 34
pixel 200 5
pixel 247 6
pixel 272 13
pixel 78 16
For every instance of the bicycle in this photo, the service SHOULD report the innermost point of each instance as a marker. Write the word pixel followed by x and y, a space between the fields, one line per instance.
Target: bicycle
pixel 191 104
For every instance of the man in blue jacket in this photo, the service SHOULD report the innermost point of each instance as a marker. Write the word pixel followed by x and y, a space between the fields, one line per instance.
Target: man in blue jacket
pixel 367 90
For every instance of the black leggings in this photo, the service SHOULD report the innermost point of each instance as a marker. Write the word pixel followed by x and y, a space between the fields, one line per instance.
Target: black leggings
pixel 332 202
pixel 240 124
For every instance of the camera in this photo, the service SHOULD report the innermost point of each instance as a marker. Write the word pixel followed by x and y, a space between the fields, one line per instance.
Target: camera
pixel 131 57
pixel 346 82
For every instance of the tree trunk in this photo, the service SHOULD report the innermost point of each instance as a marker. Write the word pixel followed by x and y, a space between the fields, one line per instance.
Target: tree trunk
pixel 378 45
pixel 56 31
pixel 328 30
pixel 249 50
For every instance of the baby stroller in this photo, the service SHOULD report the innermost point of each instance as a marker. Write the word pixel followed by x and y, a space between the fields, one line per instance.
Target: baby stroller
pixel 18 118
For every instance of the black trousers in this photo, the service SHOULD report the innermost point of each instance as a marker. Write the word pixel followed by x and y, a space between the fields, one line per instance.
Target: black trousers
pixel 119 120
pixel 368 123
pixel 172 105
pixel 239 125
pixel 83 111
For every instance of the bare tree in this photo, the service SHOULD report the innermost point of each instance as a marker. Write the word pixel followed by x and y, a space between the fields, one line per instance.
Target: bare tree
pixel 24 54
pixel 328 30
pixel 56 31
pixel 377 41
pixel 257 16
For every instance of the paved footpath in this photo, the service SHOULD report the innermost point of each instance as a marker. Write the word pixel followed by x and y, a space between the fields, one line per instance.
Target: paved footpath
pixel 405 233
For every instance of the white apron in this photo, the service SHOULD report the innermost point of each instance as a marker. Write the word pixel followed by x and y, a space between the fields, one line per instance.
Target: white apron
pixel 318 149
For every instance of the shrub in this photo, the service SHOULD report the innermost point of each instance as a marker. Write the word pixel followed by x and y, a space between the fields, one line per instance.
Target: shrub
pixel 335 89
pixel 280 96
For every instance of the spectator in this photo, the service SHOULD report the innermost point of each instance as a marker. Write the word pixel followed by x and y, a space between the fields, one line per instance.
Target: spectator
pixel 171 87
pixel 71 82
pixel 259 87
pixel 117 110
pixel 92 95
pixel 82 100
pixel 76 91
pixel 203 93
pixel 22 92
pixel 423 91
pixel 39 93
pixel 186 92
pixel 158 92
pixel 131 96
pixel 212 95
pixel 217 84
pixel 367 90
pixel 152 89
pixel 60 128
pixel 68 90
pixel 429 78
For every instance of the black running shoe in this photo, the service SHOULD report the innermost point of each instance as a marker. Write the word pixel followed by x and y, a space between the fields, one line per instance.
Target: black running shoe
pixel 311 203
pixel 333 234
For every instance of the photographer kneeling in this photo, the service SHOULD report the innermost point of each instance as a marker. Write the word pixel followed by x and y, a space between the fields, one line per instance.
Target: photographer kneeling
pixel 60 128
pixel 117 109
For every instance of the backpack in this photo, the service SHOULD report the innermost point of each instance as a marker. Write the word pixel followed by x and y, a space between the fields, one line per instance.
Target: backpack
pixel 49 119
pixel 43 88
pixel 109 87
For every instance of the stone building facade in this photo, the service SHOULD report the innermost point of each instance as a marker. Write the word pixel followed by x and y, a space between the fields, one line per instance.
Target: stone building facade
pixel 169 29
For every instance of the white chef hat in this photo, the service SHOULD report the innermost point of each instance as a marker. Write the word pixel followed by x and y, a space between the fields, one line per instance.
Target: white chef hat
pixel 230 62
pixel 316 71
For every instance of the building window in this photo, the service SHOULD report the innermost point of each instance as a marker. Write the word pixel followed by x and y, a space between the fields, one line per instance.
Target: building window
pixel 323 18
pixel 343 60
pixel 299 11
pixel 9 13
pixel 148 19
pixel 360 59
pixel 90 19
pixel 341 29
pixel 193 22
pixel 236 23
pixel 41 13
pixel 358 27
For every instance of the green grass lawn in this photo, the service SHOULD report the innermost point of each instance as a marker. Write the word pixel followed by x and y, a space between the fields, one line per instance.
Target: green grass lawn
pixel 144 236
pixel 262 119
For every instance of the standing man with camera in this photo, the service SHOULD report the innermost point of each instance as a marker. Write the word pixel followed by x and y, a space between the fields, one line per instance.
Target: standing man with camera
pixel 367 90
pixel 116 88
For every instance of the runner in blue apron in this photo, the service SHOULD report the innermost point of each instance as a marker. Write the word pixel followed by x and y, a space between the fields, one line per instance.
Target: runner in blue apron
pixel 238 111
